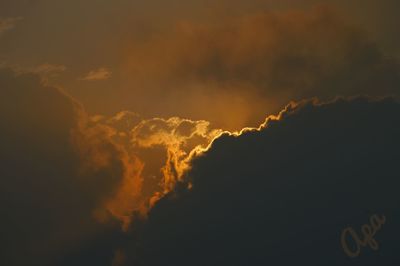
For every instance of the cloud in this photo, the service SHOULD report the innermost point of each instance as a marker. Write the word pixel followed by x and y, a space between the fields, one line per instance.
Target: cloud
pixel 49 69
pixel 46 70
pixel 70 179
pixel 162 149
pixel 57 172
pixel 7 24
pixel 73 174
pixel 116 167
pixel 98 74
pixel 180 138
pixel 265 59
pixel 283 193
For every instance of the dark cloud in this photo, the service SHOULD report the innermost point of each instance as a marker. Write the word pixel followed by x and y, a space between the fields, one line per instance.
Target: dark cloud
pixel 282 195
pixel 48 194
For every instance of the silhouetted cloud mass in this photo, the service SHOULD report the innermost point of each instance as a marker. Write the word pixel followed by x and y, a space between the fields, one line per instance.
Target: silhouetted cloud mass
pixel 283 195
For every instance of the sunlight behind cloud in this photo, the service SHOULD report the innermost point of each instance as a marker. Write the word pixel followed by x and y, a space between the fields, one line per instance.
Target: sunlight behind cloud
pixel 156 153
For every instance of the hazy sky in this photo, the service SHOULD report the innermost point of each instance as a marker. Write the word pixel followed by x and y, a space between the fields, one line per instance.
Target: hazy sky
pixel 68 40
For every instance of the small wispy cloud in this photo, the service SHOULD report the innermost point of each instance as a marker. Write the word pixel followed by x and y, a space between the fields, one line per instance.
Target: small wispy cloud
pixel 98 74
pixel 44 70
pixel 7 24
pixel 49 69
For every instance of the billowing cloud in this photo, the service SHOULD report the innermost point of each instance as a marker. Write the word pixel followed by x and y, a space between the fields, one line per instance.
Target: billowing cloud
pixel 282 194
pixel 180 137
pixel 162 149
pixel 265 59
pixel 98 74
pixel 7 24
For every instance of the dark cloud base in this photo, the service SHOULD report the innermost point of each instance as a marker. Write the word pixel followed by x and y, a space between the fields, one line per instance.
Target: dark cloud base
pixel 282 196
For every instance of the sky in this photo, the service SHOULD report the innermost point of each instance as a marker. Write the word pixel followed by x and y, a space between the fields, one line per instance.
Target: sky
pixel 107 53
pixel 199 132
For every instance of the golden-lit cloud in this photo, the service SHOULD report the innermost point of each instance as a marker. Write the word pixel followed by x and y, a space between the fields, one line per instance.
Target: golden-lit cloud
pixel 179 137
pixel 156 153
pixel 99 151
